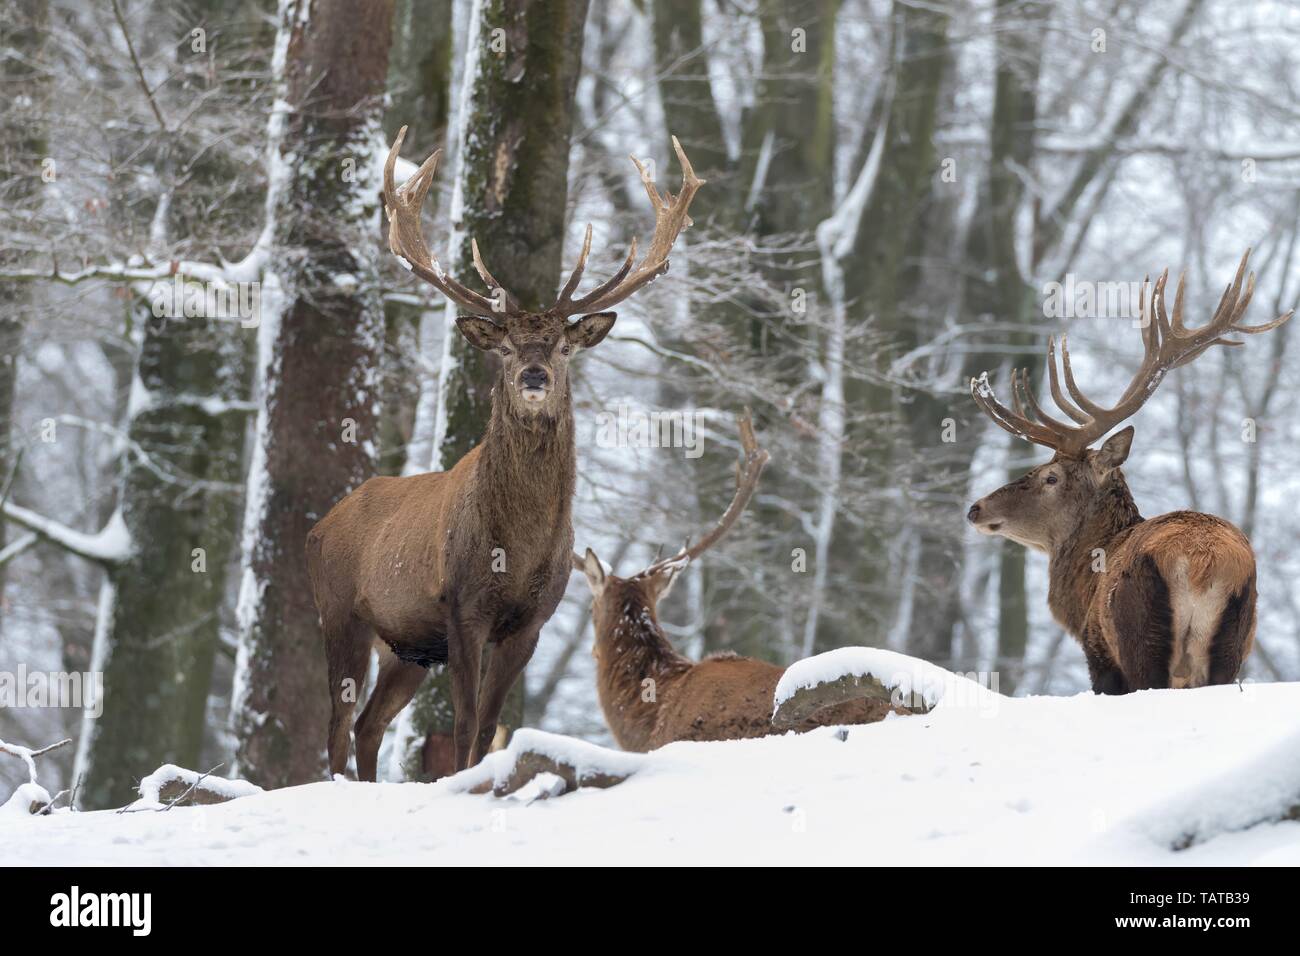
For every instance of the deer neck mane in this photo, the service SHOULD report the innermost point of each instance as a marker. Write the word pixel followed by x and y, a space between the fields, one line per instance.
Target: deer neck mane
pixel 529 461
pixel 631 650
pixel 1075 568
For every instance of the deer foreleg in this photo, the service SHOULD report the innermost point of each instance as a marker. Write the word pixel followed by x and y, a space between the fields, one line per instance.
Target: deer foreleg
pixel 465 658
pixel 505 664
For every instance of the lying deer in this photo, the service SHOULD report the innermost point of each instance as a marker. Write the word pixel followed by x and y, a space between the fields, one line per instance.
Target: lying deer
pixel 1158 602
pixel 652 695
pixel 440 565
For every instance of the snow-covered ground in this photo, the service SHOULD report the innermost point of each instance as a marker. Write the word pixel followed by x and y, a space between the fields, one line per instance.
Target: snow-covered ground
pixel 992 780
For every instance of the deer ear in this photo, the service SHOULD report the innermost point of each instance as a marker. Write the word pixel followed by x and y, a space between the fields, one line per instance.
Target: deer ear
pixel 590 329
pixel 1114 451
pixel 483 334
pixel 595 572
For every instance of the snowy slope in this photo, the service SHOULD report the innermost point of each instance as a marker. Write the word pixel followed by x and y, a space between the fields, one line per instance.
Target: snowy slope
pixel 1037 780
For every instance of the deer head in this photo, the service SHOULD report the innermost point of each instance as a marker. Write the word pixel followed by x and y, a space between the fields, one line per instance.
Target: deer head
pixel 1043 507
pixel 534 347
pixel 649 586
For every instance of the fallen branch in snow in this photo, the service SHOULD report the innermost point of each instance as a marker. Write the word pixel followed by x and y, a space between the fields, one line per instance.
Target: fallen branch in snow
pixel 27 755
pixel 535 752
pixel 45 810
pixel 852 673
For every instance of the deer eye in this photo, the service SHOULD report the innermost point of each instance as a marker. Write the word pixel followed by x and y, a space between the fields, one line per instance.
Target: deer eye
pixel 1050 479
pixel 565 350
pixel 503 350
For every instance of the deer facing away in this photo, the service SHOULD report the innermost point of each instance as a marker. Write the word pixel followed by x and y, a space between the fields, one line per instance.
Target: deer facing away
pixel 1156 602
pixel 441 565
pixel 650 694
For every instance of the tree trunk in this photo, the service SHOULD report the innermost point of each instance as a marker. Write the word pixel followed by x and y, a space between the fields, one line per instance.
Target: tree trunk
pixel 882 276
pixel 22 146
pixel 792 125
pixel 179 502
pixel 787 141
pixel 510 196
pixel 320 352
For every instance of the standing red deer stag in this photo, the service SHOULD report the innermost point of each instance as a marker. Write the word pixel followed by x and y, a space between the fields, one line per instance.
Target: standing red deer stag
pixel 650 694
pixel 1155 602
pixel 440 565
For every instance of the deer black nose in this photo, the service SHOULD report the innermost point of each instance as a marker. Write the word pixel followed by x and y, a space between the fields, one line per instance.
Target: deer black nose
pixel 534 377
pixel 974 513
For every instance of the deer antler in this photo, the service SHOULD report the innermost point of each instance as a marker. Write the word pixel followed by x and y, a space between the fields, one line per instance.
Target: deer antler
pixel 407 241
pixel 1167 344
pixel 754 460
pixel 670 219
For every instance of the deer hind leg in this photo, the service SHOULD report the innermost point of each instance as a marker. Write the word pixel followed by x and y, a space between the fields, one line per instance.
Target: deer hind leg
pixel 1234 637
pixel 1144 625
pixel 505 663
pixel 347 653
pixel 397 683
pixel 1106 677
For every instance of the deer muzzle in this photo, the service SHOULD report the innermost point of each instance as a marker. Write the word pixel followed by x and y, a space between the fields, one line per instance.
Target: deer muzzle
pixel 980 516
pixel 534 383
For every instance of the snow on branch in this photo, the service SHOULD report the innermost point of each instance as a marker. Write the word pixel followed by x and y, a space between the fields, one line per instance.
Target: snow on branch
pixel 535 752
pixel 141 400
pixel 27 755
pixel 111 545
pixel 17 547
pixel 143 274
pixel 850 673
pixel 122 272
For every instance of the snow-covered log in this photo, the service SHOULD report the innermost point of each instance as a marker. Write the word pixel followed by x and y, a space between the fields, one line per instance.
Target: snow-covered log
pixel 850 673
pixel 171 785
pixel 534 752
